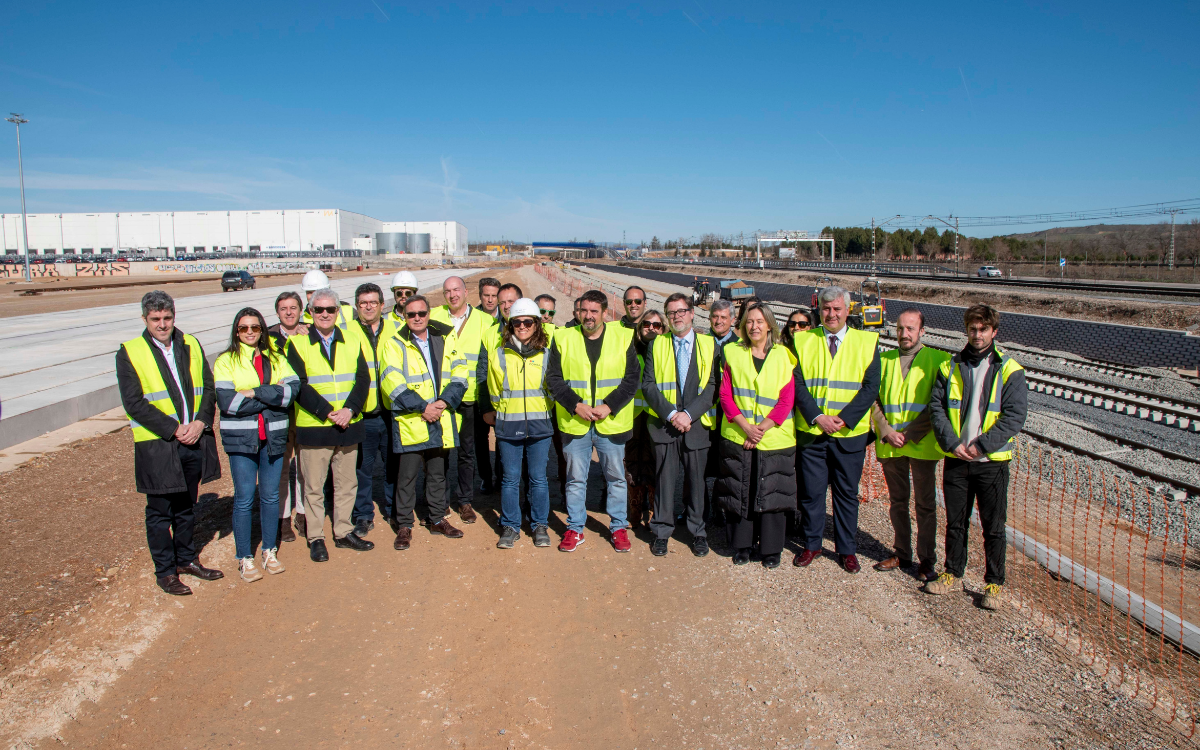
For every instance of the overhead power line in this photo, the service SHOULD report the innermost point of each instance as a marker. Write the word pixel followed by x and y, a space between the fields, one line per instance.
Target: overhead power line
pixel 1167 208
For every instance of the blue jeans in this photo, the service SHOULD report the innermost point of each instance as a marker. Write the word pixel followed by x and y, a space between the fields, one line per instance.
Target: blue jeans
pixel 577 449
pixel 376 445
pixel 536 452
pixel 248 470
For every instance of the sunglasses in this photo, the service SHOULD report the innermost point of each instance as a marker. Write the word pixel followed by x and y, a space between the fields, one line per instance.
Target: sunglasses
pixel 798 324
pixel 250 329
pixel 524 322
pixel 652 326
pixel 327 310
pixel 547 312
pixel 637 301
pixel 416 314
pixel 404 292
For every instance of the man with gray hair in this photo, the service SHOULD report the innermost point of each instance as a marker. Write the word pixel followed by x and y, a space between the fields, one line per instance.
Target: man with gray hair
pixel 837 380
pixel 167 390
pixel 334 385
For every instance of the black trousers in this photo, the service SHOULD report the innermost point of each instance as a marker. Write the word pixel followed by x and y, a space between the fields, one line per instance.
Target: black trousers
pixel 771 528
pixel 171 519
pixel 965 483
pixel 482 456
pixel 434 460
pixel 824 463
pixel 669 460
pixel 464 490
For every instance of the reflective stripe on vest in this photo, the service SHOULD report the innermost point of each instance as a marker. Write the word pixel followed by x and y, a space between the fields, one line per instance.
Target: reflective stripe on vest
pixel 666 369
pixel 467 342
pixel 951 368
pixel 903 399
pixel 404 369
pixel 610 371
pixel 517 406
pixel 332 383
pixel 154 388
pixel 757 392
pixel 834 381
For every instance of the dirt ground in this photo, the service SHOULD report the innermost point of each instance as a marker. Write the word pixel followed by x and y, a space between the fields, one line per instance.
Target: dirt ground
pixel 457 644
pixel 1076 305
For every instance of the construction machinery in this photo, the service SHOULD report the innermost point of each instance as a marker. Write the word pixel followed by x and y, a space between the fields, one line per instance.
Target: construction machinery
pixel 871 308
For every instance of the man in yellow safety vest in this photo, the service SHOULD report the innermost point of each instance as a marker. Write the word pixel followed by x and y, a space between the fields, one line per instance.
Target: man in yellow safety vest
pixel 978 407
pixel 905 442
pixel 167 390
pixel 372 329
pixel 837 380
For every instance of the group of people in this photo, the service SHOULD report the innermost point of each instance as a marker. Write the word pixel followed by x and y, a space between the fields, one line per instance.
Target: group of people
pixel 779 418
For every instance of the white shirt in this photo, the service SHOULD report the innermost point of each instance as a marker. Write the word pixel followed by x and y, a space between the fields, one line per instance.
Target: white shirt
pixel 683 361
pixel 458 320
pixel 840 336
pixel 423 345
pixel 169 352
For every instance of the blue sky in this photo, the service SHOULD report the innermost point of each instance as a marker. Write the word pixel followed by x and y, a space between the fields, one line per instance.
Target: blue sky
pixel 545 121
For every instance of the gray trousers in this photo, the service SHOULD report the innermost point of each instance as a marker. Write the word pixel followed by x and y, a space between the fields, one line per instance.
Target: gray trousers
pixel 924 473
pixel 669 459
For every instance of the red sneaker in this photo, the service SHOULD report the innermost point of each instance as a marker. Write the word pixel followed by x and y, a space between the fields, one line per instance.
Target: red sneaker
pixel 570 541
pixel 620 540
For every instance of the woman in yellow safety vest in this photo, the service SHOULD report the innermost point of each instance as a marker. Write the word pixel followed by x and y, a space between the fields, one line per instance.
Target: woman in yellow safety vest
pixel 521 410
pixel 758 439
pixel 255 386
pixel 639 450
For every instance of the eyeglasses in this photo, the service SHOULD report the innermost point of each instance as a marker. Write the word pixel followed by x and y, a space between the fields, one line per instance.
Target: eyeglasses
pixel 652 326
pixel 677 313
pixel 256 328
pixel 635 301
pixel 416 314
pixel 369 303
pixel 327 310
pixel 523 322
pixel 547 312
pixel 404 292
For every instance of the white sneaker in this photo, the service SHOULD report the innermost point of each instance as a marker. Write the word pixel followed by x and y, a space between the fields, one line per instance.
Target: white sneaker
pixel 250 572
pixel 271 563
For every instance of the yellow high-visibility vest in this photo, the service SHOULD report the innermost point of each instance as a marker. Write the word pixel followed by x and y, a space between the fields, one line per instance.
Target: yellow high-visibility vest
pixel 954 397
pixel 238 374
pixel 468 341
pixel 387 329
pixel 903 399
pixel 404 369
pixel 756 393
pixel 833 382
pixel 610 371
pixel 332 383
pixel 517 387
pixel 154 389
pixel 665 369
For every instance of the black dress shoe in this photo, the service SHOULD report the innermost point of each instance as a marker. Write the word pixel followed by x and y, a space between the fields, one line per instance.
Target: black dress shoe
pixel 194 568
pixel 353 541
pixel 741 557
pixel 362 526
pixel 317 551
pixel 173 586
pixel 771 561
pixel 700 546
pixel 658 547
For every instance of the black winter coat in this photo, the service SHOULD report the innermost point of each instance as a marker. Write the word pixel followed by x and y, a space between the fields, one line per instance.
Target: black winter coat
pixel 157 469
pixel 775 483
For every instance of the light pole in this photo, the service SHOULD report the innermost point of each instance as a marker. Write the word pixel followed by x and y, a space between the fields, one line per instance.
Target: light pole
pixel 18 120
pixel 1171 257
pixel 953 226
pixel 874 226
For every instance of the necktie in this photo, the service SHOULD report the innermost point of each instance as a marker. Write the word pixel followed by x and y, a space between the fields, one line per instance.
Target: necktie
pixel 682 360
pixel 833 344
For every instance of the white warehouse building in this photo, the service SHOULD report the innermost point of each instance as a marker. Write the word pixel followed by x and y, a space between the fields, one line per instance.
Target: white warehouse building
pixel 180 233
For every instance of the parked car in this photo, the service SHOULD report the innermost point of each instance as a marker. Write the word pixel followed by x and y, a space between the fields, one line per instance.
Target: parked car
pixel 989 272
pixel 236 280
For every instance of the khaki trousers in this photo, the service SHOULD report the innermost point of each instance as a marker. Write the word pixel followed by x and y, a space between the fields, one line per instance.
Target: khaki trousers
pixel 924 473
pixel 288 501
pixel 315 462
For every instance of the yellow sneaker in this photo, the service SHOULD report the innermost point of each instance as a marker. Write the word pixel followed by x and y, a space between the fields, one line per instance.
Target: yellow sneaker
pixel 944 584
pixel 992 594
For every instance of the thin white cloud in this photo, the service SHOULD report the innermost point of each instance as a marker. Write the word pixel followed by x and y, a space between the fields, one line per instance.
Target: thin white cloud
pixel 52 80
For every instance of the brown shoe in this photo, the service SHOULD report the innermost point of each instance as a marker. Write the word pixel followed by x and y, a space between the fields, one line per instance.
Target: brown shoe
pixel 286 534
pixel 173 586
pixel 301 524
pixel 892 563
pixel 443 527
pixel 194 568
pixel 403 538
pixel 805 558
pixel 926 572
pixel 466 513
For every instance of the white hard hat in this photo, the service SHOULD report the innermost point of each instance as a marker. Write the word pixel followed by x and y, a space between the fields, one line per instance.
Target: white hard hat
pixel 524 308
pixel 314 280
pixel 404 280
